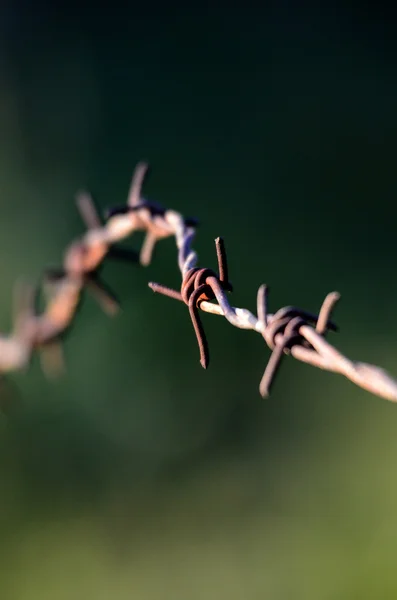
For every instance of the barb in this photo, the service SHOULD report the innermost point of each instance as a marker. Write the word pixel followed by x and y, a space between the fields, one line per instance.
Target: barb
pixel 198 285
pixel 288 331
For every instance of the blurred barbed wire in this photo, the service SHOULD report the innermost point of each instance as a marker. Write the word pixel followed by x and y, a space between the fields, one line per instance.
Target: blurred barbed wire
pixel 289 330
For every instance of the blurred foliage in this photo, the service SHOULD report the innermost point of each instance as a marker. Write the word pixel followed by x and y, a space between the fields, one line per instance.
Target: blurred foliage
pixel 140 475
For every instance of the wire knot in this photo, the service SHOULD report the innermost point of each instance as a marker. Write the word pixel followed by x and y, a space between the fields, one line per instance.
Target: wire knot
pixel 282 331
pixel 199 285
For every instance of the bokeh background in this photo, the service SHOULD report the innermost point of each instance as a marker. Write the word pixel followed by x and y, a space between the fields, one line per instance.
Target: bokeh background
pixel 139 475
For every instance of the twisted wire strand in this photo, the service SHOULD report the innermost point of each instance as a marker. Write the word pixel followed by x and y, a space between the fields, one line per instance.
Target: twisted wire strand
pixel 288 331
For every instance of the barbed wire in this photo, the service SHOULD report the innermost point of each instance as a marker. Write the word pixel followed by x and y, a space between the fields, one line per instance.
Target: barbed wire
pixel 289 330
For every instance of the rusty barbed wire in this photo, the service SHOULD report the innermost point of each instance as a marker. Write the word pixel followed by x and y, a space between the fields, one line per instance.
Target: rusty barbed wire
pixel 197 285
pixel 289 330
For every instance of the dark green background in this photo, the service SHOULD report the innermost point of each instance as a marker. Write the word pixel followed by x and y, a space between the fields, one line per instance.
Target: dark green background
pixel 139 475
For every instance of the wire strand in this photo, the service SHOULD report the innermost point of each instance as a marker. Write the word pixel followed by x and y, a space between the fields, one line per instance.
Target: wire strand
pixel 288 331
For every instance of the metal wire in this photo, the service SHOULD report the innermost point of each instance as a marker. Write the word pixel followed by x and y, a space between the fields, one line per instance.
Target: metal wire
pixel 288 331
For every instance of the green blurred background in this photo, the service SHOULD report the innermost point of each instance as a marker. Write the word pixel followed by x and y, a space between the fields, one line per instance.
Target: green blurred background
pixel 139 475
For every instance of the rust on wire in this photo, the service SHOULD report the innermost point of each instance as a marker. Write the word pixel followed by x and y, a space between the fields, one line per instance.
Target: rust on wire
pixel 288 331
pixel 283 331
pixel 198 285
